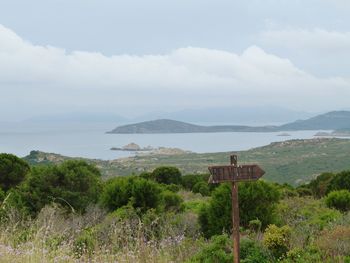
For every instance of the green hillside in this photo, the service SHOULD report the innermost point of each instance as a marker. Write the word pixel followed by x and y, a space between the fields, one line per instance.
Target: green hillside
pixel 294 161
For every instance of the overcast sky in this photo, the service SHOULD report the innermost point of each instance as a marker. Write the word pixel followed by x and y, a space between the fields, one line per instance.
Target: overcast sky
pixel 131 57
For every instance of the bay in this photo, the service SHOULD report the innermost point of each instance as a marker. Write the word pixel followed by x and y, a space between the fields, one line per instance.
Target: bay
pixel 93 142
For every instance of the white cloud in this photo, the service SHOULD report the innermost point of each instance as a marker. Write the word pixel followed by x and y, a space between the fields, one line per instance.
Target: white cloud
pixel 315 39
pixel 43 77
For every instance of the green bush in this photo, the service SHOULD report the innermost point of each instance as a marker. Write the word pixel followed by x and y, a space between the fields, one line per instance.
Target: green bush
pixel 171 201
pixel 172 187
pixel 339 182
pixel 202 188
pixel 257 200
pixel 116 193
pixel 303 255
pixel 252 252
pixel 12 171
pixel 339 200
pixel 277 239
pixel 303 191
pixel 320 185
pixel 73 184
pixel 141 193
pixel 218 250
pixel 189 180
pixel 167 175
pixel 144 194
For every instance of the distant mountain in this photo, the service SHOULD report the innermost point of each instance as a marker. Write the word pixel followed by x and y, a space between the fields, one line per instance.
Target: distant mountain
pixel 172 126
pixel 252 116
pixel 336 120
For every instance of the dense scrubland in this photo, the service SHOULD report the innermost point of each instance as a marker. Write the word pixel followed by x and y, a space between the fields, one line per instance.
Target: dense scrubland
pixel 66 212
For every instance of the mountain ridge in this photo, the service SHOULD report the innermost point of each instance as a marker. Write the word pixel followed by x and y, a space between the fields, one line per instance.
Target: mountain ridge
pixel 334 120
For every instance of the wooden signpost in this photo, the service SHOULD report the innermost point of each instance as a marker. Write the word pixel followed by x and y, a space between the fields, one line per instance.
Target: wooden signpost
pixel 234 173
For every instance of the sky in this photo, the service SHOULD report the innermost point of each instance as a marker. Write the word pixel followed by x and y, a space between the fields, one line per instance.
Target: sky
pixel 134 57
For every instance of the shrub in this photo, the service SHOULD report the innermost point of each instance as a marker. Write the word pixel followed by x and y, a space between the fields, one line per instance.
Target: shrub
pixel 167 175
pixel 339 182
pixel 277 239
pixel 218 250
pixel 339 200
pixel 12 170
pixel 115 193
pixel 189 180
pixel 253 252
pixel 320 185
pixel 257 200
pixel 171 201
pixel 202 188
pixel 303 191
pixel 303 255
pixel 74 184
pixel 142 194
pixel 172 187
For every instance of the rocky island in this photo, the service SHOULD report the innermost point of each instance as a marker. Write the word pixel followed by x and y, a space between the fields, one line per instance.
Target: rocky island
pixel 132 147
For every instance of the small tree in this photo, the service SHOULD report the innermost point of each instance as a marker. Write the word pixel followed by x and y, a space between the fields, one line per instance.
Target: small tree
pixel 12 170
pixel 339 200
pixel 167 175
pixel 74 184
pixel 257 200
pixel 136 191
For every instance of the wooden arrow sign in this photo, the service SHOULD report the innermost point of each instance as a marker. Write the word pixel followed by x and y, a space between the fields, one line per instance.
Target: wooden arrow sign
pixel 232 173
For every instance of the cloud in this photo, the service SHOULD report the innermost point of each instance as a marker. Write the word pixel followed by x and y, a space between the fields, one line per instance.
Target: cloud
pixel 43 78
pixel 316 39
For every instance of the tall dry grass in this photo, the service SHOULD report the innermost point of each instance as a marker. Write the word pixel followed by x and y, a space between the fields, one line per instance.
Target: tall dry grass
pixel 55 236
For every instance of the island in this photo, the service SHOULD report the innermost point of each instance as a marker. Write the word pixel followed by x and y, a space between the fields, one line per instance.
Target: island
pixel 335 120
pixel 132 147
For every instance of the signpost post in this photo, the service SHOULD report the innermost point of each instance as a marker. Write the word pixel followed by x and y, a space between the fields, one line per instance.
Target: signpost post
pixel 234 174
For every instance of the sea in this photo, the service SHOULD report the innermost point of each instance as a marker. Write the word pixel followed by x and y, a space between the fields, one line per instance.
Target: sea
pixel 92 141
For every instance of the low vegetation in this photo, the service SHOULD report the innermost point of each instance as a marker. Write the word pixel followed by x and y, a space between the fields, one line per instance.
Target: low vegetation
pixel 66 212
pixel 294 162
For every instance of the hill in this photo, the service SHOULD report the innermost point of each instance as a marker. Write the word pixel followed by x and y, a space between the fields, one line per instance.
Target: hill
pixel 172 126
pixel 334 120
pixel 294 161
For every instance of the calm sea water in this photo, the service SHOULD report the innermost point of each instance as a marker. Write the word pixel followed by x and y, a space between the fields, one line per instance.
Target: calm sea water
pixel 95 143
